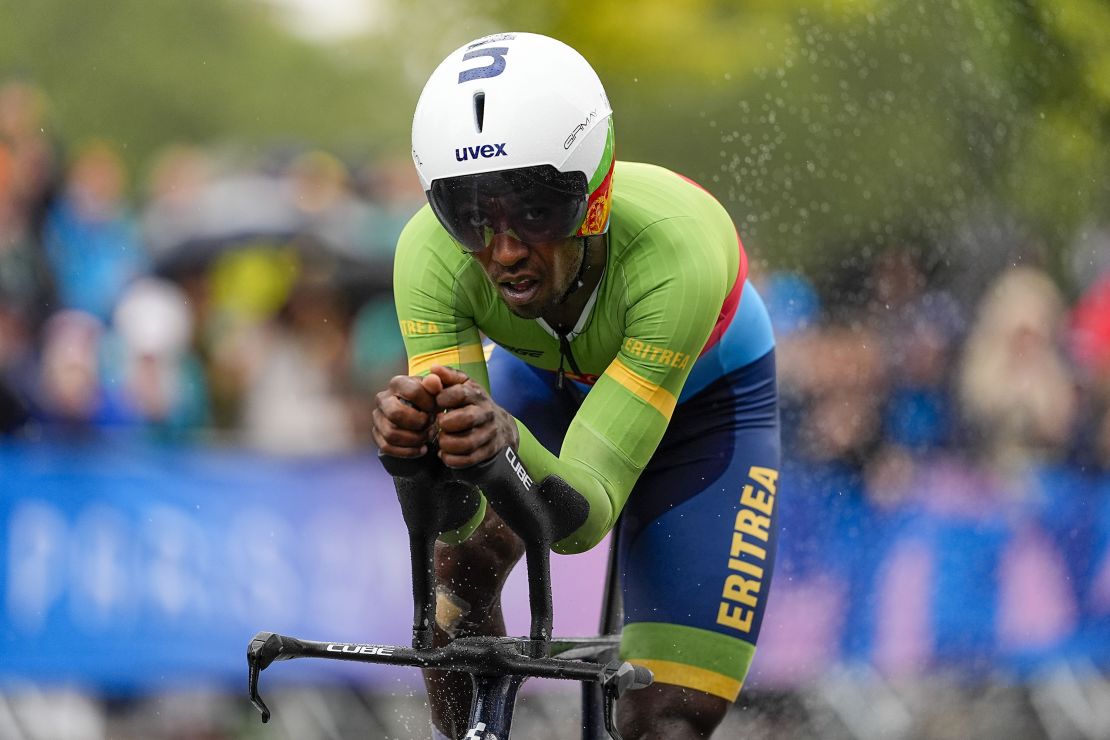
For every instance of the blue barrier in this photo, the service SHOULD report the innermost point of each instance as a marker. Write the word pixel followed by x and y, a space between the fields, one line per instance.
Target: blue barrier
pixel 125 568
pixel 968 571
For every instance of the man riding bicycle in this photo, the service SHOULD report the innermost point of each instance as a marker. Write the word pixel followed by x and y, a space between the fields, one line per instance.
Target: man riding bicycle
pixel 625 352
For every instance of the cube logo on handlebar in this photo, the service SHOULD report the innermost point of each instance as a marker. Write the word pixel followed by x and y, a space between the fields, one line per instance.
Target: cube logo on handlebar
pixel 518 466
pixel 497 665
pixel 346 647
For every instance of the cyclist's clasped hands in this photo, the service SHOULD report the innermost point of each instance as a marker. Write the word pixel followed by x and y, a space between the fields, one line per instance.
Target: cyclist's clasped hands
pixel 444 406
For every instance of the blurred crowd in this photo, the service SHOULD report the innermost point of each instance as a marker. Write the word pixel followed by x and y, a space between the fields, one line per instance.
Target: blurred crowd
pixel 946 437
pixel 248 299
pixel 889 367
pixel 221 297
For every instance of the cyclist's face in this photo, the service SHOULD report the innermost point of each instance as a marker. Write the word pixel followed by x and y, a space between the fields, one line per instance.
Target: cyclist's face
pixel 531 278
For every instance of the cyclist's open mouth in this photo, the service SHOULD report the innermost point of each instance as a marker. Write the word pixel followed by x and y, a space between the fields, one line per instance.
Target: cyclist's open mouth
pixel 519 291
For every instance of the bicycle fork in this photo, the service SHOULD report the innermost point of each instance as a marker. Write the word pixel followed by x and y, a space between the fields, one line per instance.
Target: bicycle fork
pixel 491 714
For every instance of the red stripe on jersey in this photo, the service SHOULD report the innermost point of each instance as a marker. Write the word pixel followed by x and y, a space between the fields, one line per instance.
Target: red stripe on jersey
pixel 731 303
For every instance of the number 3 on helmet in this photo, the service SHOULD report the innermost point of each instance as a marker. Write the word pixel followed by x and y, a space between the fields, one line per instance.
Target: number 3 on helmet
pixel 513 132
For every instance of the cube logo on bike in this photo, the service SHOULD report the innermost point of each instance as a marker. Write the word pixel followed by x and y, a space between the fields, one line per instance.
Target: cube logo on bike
pixel 477 732
pixel 518 468
pixel 342 647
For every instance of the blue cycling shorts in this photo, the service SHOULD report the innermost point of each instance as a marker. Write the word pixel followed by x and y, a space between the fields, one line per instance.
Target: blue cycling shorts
pixel 698 534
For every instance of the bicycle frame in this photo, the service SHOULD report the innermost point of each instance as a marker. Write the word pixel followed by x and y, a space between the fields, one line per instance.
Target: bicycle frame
pixel 498 666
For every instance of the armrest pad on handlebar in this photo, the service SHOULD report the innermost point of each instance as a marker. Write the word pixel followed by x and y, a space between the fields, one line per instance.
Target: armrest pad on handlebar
pixel 545 513
pixel 432 494
pixel 432 498
pixel 408 467
pixel 571 507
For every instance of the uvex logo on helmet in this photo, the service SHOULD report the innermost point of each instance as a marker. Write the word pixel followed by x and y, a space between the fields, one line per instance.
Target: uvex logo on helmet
pixel 486 151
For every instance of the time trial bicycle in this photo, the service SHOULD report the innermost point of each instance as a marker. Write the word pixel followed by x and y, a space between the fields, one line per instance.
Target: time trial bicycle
pixel 435 499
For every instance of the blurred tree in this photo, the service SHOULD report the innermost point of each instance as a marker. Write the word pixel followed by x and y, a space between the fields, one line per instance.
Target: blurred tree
pixel 840 127
pixel 144 74
pixel 1061 67
pixel 829 129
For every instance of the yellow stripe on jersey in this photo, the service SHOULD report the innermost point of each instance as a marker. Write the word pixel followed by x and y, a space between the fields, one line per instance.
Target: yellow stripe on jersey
pixel 692 677
pixel 661 399
pixel 451 357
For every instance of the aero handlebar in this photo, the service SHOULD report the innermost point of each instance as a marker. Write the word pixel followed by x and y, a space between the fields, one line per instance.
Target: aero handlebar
pixel 494 656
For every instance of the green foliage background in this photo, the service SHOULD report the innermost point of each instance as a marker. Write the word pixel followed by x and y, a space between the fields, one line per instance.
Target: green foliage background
pixel 827 128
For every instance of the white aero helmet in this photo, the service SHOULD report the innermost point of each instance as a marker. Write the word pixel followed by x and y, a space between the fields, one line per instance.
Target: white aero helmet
pixel 513 132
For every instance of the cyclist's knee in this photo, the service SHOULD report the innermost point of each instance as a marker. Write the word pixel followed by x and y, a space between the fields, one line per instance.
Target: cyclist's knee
pixel 470 576
pixel 492 550
pixel 669 711
pixel 494 537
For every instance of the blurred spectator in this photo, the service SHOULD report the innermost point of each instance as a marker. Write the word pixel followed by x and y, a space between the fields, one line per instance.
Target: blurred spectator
pixel 920 326
pixel 24 295
pixel 919 414
pixel 845 380
pixel 176 183
pixel 26 285
pixel 327 207
pixel 14 357
pixel 1090 330
pixel 90 235
pixel 377 353
pixel 70 395
pixel 1090 347
pixel 294 370
pixel 896 282
pixel 198 211
pixel 30 155
pixel 25 279
pixel 157 383
pixel 1016 389
pixel 392 190
pixel 243 288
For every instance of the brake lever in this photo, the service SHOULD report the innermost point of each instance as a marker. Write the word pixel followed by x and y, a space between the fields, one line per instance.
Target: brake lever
pixel 261 651
pixel 617 679
pixel 264 649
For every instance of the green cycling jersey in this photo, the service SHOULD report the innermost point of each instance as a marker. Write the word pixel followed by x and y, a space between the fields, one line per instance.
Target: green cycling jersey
pixel 672 265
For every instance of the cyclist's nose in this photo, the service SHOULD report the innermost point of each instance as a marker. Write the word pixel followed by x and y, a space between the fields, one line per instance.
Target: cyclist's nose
pixel 506 249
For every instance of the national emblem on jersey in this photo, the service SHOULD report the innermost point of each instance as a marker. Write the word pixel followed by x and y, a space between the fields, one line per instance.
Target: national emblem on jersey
pixel 600 201
pixel 597 212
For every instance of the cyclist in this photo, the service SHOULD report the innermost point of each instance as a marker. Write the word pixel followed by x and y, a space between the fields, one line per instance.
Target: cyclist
pixel 625 352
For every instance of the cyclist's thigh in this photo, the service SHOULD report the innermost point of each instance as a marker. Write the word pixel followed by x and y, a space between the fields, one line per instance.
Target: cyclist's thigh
pixel 698 536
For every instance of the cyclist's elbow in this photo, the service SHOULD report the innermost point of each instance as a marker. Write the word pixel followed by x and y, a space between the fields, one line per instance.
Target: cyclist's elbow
pixel 575 544
pixel 598 522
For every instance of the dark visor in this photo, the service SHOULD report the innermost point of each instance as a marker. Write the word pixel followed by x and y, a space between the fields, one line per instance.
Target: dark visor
pixel 534 204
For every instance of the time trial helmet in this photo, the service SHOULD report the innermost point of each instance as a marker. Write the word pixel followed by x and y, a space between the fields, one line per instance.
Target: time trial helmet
pixel 513 133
